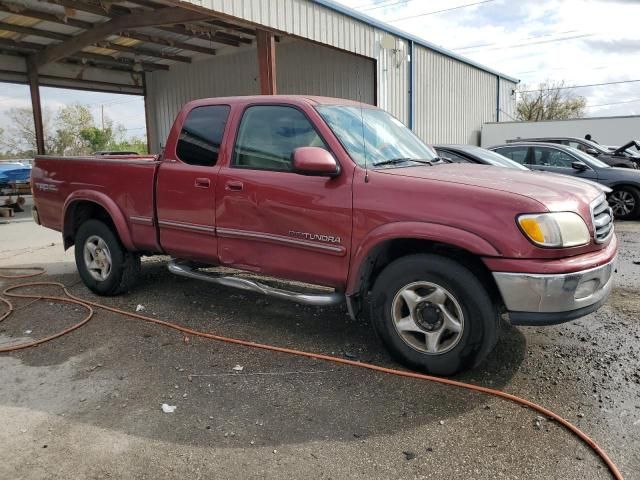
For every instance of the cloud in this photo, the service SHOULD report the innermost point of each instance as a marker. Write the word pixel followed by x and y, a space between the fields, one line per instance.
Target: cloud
pixel 579 41
pixel 622 46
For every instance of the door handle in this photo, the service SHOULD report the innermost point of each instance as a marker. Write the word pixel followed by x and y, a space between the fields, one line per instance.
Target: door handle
pixel 235 186
pixel 203 183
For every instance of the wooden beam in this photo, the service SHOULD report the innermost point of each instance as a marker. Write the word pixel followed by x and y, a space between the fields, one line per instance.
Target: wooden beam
pixel 49 17
pixel 110 45
pixel 164 16
pixel 34 88
pixel 168 42
pixel 117 62
pixel 143 51
pixel 61 20
pixel 233 28
pixel 267 62
pixel 218 37
pixel 36 32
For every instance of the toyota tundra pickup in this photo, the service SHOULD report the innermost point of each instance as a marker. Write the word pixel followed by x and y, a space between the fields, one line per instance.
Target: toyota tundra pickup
pixel 342 196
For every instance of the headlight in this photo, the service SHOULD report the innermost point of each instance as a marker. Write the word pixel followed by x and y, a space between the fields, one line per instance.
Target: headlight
pixel 556 229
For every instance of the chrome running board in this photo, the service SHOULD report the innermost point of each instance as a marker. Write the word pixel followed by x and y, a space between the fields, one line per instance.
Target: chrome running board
pixel 184 269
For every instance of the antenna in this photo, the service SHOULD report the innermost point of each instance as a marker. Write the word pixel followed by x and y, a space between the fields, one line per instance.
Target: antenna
pixel 364 144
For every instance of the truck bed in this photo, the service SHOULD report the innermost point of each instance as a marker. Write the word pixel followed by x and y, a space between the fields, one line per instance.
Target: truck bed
pixel 126 181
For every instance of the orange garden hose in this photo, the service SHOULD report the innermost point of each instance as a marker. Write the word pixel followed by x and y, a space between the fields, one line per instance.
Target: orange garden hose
pixel 89 306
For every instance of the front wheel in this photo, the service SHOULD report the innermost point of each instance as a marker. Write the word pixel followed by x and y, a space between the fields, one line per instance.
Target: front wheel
pixel 433 314
pixel 625 202
pixel 105 266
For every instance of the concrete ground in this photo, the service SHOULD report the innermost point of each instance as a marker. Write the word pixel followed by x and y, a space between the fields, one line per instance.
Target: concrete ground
pixel 88 405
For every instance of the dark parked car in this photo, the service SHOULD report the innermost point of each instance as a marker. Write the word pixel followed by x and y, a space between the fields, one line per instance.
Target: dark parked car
pixel 473 154
pixel 550 157
pixel 616 158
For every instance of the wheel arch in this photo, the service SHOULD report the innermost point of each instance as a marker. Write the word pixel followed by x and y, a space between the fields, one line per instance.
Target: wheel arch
pixel 85 205
pixel 387 244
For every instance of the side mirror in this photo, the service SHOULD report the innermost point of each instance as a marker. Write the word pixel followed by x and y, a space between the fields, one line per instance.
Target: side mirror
pixel 592 151
pixel 581 167
pixel 314 161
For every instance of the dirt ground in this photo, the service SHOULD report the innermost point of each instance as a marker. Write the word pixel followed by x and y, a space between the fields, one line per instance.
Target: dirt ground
pixel 88 405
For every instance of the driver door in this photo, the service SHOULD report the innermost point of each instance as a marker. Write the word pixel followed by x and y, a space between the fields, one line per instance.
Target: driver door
pixel 272 220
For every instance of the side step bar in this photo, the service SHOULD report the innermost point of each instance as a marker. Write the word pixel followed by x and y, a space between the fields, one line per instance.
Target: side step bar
pixel 318 299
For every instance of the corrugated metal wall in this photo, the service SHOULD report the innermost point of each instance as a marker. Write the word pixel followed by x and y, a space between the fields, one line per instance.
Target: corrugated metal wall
pixel 452 100
pixel 309 20
pixel 305 68
pixel 302 68
pixel 221 76
pixel 507 101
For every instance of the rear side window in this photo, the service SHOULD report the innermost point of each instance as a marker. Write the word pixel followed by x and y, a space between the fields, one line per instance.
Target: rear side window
pixel 552 158
pixel 201 135
pixel 517 154
pixel 452 156
pixel 269 134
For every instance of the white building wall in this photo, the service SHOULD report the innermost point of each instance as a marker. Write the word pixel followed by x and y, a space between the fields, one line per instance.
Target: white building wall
pixel 452 99
pixel 605 130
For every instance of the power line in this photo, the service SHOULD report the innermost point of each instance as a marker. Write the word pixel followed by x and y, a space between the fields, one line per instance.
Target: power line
pixel 582 86
pixel 614 103
pixel 377 6
pixel 518 45
pixel 533 37
pixel 439 11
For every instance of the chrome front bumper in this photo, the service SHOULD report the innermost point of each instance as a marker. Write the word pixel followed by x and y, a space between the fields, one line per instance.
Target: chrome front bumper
pixel 537 299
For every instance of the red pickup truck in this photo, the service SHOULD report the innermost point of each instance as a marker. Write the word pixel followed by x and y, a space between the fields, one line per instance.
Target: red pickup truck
pixel 341 195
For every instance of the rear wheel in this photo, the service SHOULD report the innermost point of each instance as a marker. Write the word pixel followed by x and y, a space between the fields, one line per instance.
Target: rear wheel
pixel 105 266
pixel 625 202
pixel 433 314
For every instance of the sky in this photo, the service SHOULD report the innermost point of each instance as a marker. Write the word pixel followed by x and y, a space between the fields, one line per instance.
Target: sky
pixel 578 41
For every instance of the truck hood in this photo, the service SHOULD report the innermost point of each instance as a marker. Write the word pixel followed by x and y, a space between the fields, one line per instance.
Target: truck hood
pixel 552 190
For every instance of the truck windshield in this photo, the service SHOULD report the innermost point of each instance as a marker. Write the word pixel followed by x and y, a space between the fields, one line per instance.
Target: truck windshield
pixel 373 136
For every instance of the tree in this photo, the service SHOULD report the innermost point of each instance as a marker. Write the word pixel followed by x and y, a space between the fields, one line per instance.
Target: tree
pixel 74 132
pixel 97 138
pixel 70 122
pixel 20 135
pixel 550 101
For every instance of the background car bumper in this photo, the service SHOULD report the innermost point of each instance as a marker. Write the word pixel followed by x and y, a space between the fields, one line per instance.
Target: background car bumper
pixel 543 299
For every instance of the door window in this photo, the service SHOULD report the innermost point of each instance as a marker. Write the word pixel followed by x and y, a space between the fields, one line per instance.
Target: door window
pixel 201 135
pixel 269 134
pixel 550 157
pixel 517 154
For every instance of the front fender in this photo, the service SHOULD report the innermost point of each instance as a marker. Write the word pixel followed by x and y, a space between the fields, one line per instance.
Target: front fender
pixel 105 202
pixel 434 232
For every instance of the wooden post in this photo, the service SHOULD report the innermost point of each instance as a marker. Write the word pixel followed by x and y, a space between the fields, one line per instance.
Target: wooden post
pixel 266 62
pixel 34 87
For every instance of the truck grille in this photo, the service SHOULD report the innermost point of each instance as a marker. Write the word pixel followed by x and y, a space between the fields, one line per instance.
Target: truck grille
pixel 602 217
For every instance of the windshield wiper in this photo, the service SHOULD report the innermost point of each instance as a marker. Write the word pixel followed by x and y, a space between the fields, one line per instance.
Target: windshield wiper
pixel 395 161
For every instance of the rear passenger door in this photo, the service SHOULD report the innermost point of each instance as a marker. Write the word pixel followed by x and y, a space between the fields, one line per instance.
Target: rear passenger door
pixel 519 154
pixel 186 183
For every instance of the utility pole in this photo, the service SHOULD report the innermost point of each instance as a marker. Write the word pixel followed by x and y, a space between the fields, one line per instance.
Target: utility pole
pixel 102 115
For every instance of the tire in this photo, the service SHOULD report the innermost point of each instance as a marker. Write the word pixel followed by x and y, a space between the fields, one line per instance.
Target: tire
pixel 116 269
pixel 464 298
pixel 625 202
